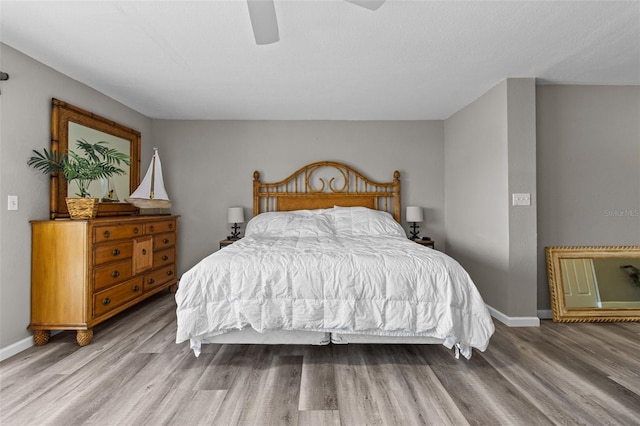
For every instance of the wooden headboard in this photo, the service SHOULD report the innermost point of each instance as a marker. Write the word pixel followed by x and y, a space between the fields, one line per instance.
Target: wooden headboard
pixel 323 185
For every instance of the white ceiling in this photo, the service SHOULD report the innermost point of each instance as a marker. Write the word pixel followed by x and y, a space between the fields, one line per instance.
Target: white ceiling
pixel 408 60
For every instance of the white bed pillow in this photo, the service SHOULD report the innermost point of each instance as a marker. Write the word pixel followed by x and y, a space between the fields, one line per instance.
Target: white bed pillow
pixel 299 223
pixel 353 221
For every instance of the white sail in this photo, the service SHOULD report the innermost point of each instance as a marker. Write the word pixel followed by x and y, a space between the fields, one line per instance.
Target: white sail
pixel 151 193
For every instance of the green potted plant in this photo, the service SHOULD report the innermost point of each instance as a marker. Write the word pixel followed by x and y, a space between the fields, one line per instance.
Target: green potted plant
pixel 98 162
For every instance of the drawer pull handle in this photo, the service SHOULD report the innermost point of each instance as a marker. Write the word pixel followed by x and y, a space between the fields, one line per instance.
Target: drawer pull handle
pixel 166 241
pixel 135 230
pixel 171 226
pixel 135 288
pixel 107 234
pixel 151 281
pixel 116 252
pixel 115 274
pixel 152 228
pixel 165 257
pixel 106 301
pixel 144 251
pixel 169 273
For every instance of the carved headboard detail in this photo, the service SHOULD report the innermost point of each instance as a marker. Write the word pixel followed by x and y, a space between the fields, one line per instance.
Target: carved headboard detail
pixel 325 184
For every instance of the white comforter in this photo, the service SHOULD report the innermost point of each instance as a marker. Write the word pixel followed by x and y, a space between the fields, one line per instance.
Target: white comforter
pixel 379 285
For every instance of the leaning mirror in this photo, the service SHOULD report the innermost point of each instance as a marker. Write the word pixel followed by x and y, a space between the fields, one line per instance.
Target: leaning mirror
pixel 594 284
pixel 70 124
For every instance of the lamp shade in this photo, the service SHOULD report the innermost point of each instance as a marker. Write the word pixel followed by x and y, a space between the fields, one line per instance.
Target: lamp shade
pixel 235 215
pixel 414 214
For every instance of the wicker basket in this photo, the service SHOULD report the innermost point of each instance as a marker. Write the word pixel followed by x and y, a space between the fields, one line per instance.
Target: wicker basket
pixel 82 208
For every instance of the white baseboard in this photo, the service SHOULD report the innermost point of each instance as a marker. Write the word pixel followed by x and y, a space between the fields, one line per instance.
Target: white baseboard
pixel 514 321
pixel 545 314
pixel 17 347
pixel 21 345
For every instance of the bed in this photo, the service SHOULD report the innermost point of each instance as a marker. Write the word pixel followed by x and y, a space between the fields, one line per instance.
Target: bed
pixel 325 260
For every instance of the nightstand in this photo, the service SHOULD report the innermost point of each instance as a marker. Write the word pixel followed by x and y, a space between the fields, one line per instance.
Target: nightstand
pixel 226 242
pixel 426 243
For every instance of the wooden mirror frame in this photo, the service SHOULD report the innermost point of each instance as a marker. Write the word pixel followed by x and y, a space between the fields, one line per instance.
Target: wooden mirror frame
pixel 61 114
pixel 556 289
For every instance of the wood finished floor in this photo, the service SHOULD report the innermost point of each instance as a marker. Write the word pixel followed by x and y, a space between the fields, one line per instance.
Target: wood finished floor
pixel 134 374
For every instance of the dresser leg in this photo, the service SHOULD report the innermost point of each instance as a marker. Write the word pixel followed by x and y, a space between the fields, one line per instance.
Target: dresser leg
pixel 83 337
pixel 41 337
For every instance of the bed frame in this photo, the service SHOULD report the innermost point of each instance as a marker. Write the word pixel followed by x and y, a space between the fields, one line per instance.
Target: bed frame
pixel 325 184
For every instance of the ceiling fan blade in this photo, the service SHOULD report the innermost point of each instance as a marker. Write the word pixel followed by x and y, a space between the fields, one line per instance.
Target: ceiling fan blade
pixel 264 21
pixel 367 4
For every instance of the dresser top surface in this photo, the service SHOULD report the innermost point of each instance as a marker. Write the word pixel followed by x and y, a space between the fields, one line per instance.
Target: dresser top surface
pixel 111 219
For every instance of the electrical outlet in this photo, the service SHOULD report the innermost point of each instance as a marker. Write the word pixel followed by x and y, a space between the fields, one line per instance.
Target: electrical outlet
pixel 521 199
pixel 12 202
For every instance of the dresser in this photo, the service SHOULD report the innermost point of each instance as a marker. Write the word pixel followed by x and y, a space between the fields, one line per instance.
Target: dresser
pixel 86 271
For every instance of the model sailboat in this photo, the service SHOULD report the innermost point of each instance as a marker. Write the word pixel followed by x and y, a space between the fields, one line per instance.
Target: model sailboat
pixel 151 193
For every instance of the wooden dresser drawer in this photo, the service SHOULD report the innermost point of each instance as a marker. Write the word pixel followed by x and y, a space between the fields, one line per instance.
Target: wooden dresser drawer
pixel 164 240
pixel 108 275
pixel 164 257
pixel 117 232
pixel 110 299
pixel 160 227
pixel 159 277
pixel 111 252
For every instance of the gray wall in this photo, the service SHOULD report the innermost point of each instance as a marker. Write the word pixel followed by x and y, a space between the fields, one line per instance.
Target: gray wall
pixel 25 110
pixel 490 153
pixel 208 166
pixel 588 153
pixel 476 189
pixel 521 137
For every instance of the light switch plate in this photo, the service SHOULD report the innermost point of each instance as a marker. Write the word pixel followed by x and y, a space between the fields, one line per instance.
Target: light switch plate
pixel 12 202
pixel 521 199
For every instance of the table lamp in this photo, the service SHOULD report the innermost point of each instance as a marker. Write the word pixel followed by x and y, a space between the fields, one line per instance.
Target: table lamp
pixel 235 215
pixel 414 215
